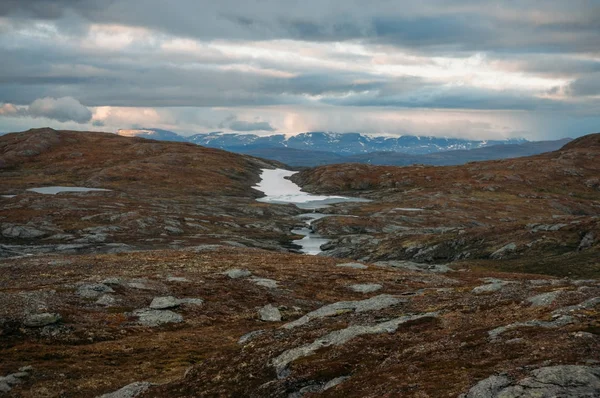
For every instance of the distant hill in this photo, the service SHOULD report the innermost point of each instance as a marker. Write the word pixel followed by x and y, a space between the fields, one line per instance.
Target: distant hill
pixel 322 148
pixel 342 143
pixel 449 158
pixel 154 134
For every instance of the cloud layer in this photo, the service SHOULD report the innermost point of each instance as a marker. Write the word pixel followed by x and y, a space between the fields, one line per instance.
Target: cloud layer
pixel 500 68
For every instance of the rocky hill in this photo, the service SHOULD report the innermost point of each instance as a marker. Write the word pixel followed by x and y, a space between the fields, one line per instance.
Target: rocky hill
pixel 540 213
pixel 174 281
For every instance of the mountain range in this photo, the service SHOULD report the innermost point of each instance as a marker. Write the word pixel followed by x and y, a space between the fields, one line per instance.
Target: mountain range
pixel 321 148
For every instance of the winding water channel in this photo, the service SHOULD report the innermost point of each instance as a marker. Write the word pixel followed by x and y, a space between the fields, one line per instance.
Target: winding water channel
pixel 279 189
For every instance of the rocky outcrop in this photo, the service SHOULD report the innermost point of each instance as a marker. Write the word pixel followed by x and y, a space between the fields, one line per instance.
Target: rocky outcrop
pixel 371 304
pixel 554 381
pixel 340 337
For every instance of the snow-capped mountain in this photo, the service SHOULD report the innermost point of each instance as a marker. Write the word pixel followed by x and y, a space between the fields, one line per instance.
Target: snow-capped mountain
pixel 343 143
pixel 339 143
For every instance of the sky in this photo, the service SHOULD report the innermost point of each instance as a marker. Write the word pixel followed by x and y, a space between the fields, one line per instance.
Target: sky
pixel 475 69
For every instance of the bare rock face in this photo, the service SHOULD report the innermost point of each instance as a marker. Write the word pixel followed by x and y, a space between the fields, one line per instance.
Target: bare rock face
pixel 553 381
pixel 41 320
pixel 129 391
pixel 22 232
pixel 152 318
pixel 504 251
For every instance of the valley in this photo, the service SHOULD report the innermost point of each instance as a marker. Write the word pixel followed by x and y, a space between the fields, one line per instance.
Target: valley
pixel 182 273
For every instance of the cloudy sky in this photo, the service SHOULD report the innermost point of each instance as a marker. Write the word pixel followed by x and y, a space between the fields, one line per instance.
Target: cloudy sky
pixel 460 68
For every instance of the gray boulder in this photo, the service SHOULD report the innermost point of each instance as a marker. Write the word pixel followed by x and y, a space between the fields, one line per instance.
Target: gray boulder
pixel 549 382
pixel 163 303
pixel 41 320
pixel 352 265
pixel 269 313
pixel 129 391
pixel 22 232
pixel 236 273
pixel 365 287
pixel 544 299
pixel 93 290
pixel 152 318
pixel 504 251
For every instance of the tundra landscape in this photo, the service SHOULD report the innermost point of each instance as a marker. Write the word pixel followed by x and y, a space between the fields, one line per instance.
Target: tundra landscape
pixel 299 199
pixel 190 286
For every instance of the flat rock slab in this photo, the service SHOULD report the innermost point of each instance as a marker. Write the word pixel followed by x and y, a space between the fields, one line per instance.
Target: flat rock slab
pixel 129 391
pixel 372 304
pixel 352 265
pixel 93 290
pixel 340 337
pixel 562 320
pixel 248 337
pixel 149 317
pixel 265 282
pixel 492 285
pixel 269 313
pixel 106 300
pixel 553 381
pixel 365 287
pixel 237 273
pixel 41 320
pixel 177 279
pixel 544 299
pixel 163 303
pixel 412 266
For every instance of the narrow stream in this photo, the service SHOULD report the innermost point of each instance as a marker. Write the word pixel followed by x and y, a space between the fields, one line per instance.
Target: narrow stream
pixel 279 189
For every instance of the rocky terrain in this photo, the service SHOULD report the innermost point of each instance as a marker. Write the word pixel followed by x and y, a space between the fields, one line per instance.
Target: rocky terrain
pixel 536 214
pixel 474 281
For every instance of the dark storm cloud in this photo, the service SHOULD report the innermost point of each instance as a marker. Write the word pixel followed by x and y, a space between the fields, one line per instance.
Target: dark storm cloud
pixel 240 125
pixel 480 55
pixel 525 26
pixel 588 85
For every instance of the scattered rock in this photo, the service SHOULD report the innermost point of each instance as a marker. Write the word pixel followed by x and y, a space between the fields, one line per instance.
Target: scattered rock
pixel 21 232
pixel 191 301
pixel 587 241
pixel 365 287
pixel 504 251
pixel 372 304
pixel 269 313
pixel 236 273
pixel 352 265
pixel 250 336
pixel 41 320
pixel 587 304
pixel 93 290
pixel 177 279
pixel 493 285
pixel 265 282
pixel 553 381
pixel 149 317
pixel 544 299
pixel 340 337
pixel 334 382
pixel 163 303
pixel 489 387
pixel 7 382
pixel 556 323
pixel 106 300
pixel 129 391
pixel 412 266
